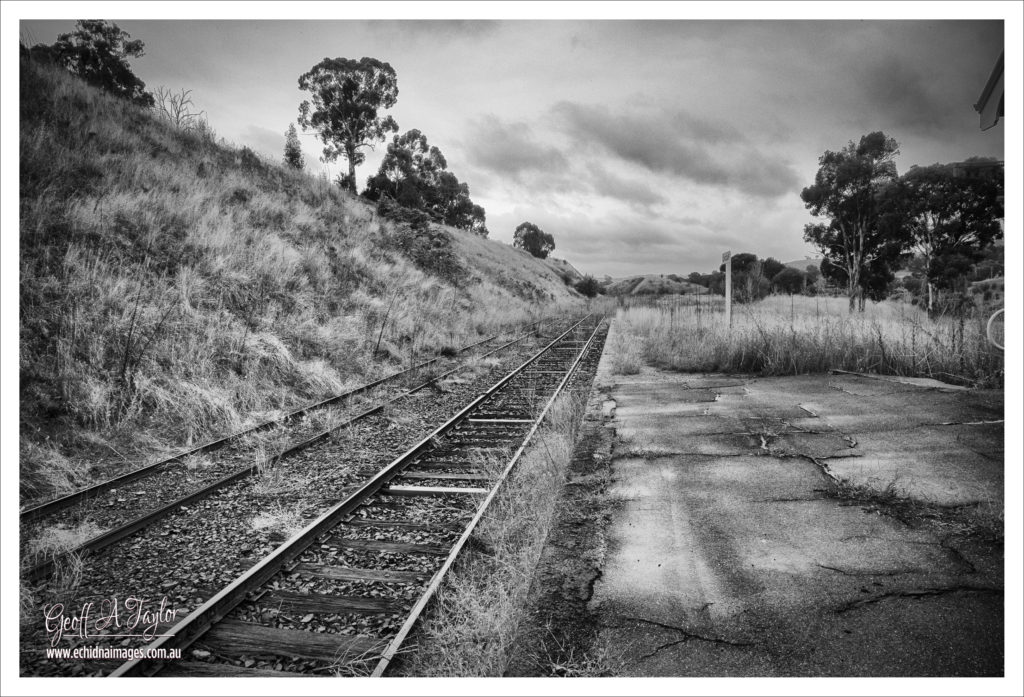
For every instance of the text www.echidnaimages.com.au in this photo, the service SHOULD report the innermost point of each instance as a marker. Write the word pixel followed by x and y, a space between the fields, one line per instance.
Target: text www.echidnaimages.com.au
pixel 113 653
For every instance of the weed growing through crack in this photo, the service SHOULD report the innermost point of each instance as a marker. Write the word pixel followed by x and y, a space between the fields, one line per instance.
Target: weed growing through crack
pixel 982 521
pixel 565 662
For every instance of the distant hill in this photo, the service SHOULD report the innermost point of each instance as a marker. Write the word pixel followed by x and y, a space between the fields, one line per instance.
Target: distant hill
pixel 802 264
pixel 652 284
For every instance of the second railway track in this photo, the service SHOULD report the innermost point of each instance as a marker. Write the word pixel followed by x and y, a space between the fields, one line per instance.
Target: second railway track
pixel 123 505
pixel 341 596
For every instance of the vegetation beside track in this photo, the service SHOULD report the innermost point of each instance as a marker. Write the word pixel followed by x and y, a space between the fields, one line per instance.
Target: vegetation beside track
pixel 792 335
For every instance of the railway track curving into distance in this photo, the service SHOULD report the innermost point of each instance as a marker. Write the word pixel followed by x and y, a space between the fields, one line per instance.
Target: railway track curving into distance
pixel 341 595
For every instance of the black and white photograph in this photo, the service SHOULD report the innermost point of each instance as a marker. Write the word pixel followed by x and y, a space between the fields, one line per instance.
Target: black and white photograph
pixel 599 348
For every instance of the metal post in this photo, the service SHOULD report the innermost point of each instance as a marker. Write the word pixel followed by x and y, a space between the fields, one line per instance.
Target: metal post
pixel 727 258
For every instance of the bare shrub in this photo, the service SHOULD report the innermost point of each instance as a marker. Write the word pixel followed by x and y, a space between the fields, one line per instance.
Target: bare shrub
pixel 177 108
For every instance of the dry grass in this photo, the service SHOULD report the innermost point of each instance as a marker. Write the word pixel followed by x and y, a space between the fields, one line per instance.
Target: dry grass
pixel 624 350
pixel 791 335
pixel 174 288
pixel 477 612
pixel 55 544
pixel 596 663
pixel 280 520
pixel 195 465
pixel 55 540
pixel 44 468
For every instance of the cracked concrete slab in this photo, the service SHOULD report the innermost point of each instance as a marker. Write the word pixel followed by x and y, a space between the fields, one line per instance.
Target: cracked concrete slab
pixel 726 558
pixel 926 462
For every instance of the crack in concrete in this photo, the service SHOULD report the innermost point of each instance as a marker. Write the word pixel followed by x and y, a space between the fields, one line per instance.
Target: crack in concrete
pixel 845 572
pixel 810 458
pixel 598 573
pixel 919 593
pixel 687 635
pixel 810 431
pixel 642 454
pixel 958 556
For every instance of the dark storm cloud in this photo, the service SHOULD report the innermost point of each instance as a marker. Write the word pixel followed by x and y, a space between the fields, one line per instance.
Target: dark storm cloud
pixel 510 149
pixel 907 95
pixel 681 145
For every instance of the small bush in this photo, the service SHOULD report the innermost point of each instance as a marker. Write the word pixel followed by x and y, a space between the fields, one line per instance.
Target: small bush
pixel 588 286
pixel 430 248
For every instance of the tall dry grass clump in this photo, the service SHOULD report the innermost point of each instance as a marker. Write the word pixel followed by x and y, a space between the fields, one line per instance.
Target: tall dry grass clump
pixel 791 335
pixel 173 287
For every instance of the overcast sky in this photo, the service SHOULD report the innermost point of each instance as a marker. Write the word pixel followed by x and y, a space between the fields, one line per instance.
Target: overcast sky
pixel 641 146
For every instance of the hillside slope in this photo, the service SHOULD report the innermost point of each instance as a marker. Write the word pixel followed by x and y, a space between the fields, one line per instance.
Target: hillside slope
pixel 172 287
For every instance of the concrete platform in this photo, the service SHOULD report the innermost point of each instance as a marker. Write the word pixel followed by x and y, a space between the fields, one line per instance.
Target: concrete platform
pixel 729 553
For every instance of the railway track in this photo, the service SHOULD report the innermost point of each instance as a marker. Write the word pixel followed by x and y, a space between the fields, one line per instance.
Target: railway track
pixel 121 513
pixel 342 595
pixel 44 509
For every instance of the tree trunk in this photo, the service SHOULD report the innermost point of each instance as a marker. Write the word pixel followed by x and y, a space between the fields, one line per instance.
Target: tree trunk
pixel 853 291
pixel 350 155
pixel 931 302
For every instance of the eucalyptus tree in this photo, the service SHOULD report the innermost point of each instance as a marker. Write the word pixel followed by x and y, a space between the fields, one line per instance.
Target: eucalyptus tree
pixel 850 190
pixel 415 174
pixel 345 107
pixel 98 52
pixel 949 217
pixel 534 240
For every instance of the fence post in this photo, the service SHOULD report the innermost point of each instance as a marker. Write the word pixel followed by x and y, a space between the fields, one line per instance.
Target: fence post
pixel 727 258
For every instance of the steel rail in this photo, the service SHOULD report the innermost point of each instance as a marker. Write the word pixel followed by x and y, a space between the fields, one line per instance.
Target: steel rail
pixel 42 510
pixel 439 575
pixel 118 533
pixel 216 608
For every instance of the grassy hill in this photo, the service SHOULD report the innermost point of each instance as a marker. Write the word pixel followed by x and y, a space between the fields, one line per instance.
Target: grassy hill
pixel 566 271
pixel 802 264
pixel 653 284
pixel 173 287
